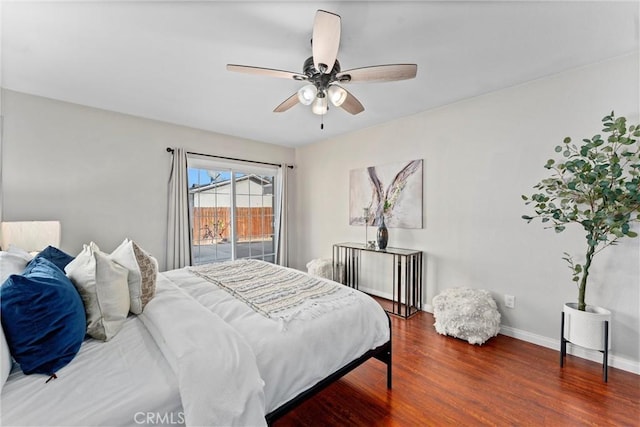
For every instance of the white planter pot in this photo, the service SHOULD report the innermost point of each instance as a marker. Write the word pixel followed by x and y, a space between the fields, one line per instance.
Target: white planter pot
pixel 586 328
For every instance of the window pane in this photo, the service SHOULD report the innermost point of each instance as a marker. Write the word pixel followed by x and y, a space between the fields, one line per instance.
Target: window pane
pixel 254 213
pixel 211 203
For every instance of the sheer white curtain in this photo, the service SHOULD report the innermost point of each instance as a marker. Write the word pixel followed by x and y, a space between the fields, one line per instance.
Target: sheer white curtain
pixel 178 235
pixel 281 220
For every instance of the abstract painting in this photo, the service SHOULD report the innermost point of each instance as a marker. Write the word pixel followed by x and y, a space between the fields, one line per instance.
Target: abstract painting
pixel 393 190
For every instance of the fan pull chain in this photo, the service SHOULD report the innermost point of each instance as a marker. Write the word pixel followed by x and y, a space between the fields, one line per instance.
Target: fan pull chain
pixel 322 119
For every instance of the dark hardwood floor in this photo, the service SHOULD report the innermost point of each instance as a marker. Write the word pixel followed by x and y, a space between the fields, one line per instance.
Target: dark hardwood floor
pixel 439 380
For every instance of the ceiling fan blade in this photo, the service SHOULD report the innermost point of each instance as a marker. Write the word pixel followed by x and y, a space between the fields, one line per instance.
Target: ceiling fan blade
pixel 351 104
pixel 378 73
pixel 269 72
pixel 287 103
pixel 326 40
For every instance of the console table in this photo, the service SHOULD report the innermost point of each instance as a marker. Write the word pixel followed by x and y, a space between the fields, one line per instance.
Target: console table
pixel 406 271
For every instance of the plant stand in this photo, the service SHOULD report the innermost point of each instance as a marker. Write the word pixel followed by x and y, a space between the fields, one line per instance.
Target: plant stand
pixel 605 352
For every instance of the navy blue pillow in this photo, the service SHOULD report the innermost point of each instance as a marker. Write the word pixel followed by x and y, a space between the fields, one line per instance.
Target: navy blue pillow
pixel 56 256
pixel 43 317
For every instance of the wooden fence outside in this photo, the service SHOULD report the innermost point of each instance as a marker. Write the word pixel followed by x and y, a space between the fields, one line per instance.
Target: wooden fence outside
pixel 212 225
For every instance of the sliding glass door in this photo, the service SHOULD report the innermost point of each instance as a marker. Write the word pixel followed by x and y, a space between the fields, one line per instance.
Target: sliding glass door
pixel 231 211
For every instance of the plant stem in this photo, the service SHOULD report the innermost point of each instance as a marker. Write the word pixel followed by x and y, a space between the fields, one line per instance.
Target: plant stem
pixel 583 283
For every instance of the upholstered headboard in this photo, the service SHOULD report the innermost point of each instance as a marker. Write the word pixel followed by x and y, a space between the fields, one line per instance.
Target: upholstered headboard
pixel 32 236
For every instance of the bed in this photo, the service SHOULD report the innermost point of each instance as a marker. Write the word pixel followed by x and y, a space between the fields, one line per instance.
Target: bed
pixel 211 347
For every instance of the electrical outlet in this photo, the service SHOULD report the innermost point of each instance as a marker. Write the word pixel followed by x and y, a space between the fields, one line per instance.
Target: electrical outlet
pixel 509 301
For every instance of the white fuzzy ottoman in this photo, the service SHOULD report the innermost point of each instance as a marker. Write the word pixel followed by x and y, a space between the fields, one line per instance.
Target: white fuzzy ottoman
pixel 468 314
pixel 321 267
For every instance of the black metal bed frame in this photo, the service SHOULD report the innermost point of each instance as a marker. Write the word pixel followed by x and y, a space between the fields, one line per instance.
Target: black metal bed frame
pixel 382 353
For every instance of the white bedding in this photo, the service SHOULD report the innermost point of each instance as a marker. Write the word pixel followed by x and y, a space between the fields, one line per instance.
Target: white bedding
pixel 295 358
pixel 217 373
pixel 108 383
pixel 175 364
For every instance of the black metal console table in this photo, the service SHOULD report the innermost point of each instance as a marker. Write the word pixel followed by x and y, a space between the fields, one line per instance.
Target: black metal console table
pixel 406 270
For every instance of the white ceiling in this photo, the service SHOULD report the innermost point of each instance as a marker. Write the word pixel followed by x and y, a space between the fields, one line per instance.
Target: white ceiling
pixel 165 60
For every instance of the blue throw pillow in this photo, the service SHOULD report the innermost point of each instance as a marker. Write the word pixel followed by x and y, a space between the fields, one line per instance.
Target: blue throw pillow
pixel 56 256
pixel 43 318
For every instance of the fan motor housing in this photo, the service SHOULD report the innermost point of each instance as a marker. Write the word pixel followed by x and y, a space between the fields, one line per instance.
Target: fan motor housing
pixel 317 78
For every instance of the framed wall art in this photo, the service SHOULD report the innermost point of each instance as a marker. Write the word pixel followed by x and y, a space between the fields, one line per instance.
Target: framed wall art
pixel 393 190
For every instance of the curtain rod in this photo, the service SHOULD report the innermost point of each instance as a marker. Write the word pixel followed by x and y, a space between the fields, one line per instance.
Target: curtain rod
pixel 170 150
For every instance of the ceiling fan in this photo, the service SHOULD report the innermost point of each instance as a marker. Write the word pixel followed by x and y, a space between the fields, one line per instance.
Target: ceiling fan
pixel 323 75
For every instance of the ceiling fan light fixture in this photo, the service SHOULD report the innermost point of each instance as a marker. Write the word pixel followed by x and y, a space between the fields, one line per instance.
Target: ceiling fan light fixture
pixel 307 94
pixel 323 75
pixel 320 106
pixel 337 95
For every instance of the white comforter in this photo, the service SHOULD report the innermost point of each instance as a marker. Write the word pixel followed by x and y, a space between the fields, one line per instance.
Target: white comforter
pixel 293 358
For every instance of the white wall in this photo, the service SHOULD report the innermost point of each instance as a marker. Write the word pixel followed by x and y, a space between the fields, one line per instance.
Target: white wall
pixel 104 175
pixel 480 155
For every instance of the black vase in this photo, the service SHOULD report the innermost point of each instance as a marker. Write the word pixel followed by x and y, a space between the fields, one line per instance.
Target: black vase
pixel 383 235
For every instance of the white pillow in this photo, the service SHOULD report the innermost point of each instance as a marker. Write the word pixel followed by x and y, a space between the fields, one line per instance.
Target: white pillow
pixel 143 270
pixel 13 261
pixel 102 284
pixel 5 359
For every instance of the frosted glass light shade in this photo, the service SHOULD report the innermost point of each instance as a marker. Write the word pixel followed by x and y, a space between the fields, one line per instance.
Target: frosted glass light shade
pixel 307 94
pixel 319 105
pixel 337 95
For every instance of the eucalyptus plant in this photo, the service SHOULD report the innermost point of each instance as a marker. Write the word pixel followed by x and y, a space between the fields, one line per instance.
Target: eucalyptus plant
pixel 596 185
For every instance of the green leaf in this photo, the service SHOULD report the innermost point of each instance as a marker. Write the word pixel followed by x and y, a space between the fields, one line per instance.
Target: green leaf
pixel 596 185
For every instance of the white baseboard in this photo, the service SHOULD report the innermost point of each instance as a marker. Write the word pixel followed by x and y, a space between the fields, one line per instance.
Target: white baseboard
pixel 615 361
pixel 618 362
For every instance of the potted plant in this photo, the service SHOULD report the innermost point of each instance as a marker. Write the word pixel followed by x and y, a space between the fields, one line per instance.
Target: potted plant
pixel 595 185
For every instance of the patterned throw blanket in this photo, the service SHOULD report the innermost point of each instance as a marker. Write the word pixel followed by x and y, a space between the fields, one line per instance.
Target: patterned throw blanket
pixel 274 291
